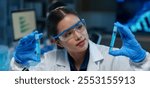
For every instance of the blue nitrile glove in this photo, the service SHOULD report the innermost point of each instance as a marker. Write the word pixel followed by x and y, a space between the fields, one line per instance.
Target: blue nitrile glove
pixel 25 51
pixel 130 46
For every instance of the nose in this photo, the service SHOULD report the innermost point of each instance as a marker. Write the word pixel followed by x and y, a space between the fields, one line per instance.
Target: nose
pixel 78 35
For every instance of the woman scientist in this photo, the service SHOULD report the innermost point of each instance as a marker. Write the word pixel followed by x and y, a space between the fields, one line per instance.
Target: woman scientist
pixel 79 53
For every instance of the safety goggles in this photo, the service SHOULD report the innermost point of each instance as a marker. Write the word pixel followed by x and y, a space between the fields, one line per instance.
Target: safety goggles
pixel 69 32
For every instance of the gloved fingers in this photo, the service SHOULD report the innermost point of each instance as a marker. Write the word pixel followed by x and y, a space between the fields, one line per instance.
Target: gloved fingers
pixel 28 38
pixel 38 36
pixel 23 59
pixel 31 44
pixel 116 52
pixel 124 31
pixel 27 42
pixel 25 49
pixel 31 36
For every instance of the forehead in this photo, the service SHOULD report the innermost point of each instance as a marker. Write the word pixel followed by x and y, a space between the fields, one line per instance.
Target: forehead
pixel 67 22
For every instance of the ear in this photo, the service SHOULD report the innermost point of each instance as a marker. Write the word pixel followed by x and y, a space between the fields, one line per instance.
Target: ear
pixel 58 43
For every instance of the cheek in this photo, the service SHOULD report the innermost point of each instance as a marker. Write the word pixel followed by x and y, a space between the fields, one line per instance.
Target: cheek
pixel 69 44
pixel 86 34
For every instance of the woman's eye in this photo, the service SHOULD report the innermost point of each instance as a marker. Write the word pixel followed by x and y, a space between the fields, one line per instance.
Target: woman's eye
pixel 79 27
pixel 68 34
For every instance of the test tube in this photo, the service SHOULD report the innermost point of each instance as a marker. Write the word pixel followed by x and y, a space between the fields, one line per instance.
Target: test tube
pixel 113 38
pixel 38 51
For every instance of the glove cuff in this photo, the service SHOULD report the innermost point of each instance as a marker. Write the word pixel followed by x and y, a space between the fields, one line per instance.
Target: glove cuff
pixel 140 58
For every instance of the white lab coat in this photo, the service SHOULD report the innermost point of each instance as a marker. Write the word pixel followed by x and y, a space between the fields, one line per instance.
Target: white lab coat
pixel 99 60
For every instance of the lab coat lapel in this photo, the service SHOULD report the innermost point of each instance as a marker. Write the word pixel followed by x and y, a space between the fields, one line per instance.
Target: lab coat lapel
pixel 62 61
pixel 95 57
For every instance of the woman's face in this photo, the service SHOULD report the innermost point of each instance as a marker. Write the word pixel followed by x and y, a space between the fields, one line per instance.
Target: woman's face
pixel 74 39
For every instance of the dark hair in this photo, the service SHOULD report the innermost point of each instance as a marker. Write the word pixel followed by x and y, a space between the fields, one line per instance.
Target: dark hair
pixel 57 11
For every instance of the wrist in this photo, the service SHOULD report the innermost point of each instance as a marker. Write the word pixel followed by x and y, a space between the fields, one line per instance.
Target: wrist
pixel 144 65
pixel 140 57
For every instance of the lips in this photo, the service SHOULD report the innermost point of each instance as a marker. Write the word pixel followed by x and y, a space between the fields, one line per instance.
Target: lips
pixel 81 43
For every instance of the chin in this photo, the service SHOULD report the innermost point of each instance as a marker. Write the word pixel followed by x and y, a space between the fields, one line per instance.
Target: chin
pixel 84 48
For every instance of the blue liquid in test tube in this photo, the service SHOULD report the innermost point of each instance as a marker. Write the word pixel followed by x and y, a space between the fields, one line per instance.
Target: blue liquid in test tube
pixel 113 38
pixel 38 51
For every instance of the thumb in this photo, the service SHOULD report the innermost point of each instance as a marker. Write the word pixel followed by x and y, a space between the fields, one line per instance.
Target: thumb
pixel 38 36
pixel 116 52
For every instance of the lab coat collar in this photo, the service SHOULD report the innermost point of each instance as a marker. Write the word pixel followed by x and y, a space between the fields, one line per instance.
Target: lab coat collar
pixel 94 59
pixel 62 59
pixel 95 52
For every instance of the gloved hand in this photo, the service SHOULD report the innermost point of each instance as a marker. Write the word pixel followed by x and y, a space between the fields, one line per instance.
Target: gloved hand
pixel 130 46
pixel 25 51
